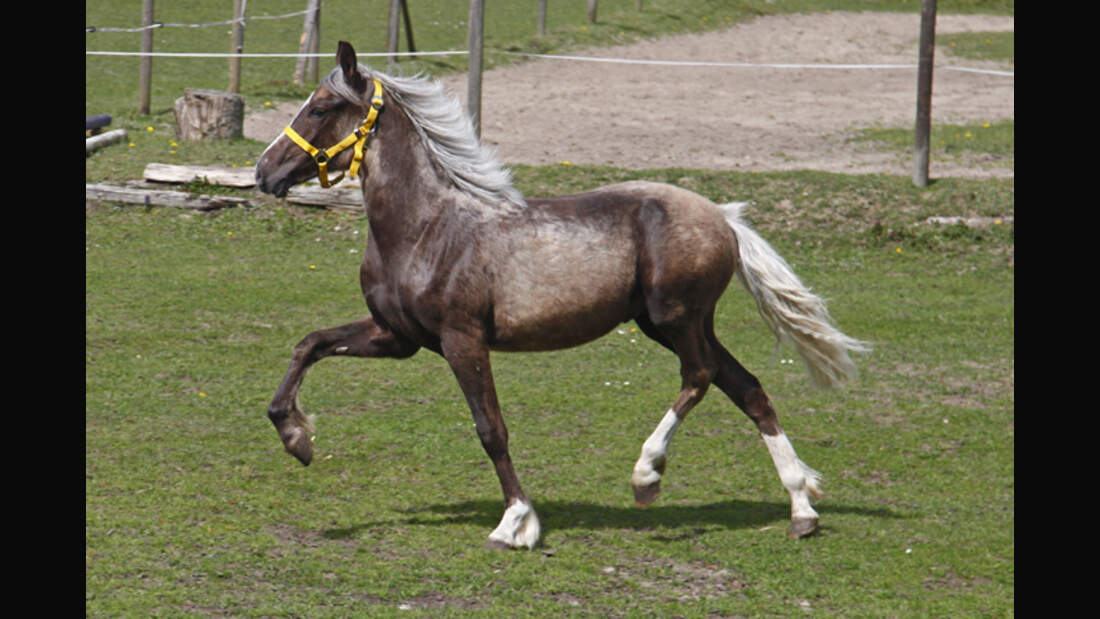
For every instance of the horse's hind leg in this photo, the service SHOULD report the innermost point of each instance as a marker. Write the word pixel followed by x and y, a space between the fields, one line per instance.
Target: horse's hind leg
pixel 697 368
pixel 363 338
pixel 800 480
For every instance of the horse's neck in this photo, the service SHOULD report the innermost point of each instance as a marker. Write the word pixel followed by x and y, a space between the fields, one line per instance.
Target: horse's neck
pixel 403 191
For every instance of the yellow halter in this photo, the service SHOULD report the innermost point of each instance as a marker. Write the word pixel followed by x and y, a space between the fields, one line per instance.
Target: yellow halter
pixel 357 137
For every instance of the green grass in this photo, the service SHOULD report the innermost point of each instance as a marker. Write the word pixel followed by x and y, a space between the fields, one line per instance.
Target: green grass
pixel 995 46
pixel 192 507
pixel 991 144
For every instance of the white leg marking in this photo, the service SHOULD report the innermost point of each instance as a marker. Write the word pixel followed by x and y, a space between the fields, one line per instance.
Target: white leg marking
pixel 654 451
pixel 799 479
pixel 518 527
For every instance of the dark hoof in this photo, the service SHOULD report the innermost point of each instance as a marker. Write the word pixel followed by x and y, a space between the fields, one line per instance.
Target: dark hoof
pixel 299 446
pixel 644 495
pixel 803 527
pixel 496 544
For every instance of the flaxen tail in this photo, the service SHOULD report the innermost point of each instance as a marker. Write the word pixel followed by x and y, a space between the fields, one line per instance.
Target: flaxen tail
pixel 795 315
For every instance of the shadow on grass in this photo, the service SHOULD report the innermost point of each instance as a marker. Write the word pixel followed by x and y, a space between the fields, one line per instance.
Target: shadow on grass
pixel 562 515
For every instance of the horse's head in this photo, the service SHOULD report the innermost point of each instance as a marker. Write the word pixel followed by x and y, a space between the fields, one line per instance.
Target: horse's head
pixel 330 131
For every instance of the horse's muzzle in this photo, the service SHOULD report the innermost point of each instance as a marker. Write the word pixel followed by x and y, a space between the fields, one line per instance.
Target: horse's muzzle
pixel 267 184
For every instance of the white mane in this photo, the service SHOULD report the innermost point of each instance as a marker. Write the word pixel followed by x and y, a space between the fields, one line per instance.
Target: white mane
pixel 447 133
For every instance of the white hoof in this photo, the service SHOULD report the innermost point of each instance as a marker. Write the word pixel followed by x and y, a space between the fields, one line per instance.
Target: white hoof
pixel 519 527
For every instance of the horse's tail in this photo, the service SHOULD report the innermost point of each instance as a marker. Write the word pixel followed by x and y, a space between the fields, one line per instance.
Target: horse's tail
pixel 795 315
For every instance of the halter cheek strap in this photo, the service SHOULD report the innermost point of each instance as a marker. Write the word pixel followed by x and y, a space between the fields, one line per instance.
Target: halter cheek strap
pixel 357 137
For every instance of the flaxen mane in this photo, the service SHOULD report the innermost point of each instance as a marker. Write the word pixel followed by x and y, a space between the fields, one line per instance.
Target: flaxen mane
pixel 446 131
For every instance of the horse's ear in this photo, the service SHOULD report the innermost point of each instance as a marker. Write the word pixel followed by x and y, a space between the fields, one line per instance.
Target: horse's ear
pixel 345 55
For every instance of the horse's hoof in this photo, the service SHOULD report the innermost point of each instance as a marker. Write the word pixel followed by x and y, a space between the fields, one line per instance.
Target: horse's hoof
pixel 496 544
pixel 644 495
pixel 299 446
pixel 803 527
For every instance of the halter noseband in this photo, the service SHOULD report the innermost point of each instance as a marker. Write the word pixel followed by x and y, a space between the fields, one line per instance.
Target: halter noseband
pixel 357 137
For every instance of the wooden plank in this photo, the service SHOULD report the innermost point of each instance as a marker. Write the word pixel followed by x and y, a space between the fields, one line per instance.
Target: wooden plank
pixel 349 198
pixel 971 222
pixel 215 175
pixel 158 197
pixel 103 139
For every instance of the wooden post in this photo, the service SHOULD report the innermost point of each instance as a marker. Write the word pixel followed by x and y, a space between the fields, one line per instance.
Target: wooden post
pixel 314 47
pixel 408 27
pixel 639 5
pixel 924 92
pixel 146 63
pixel 542 18
pixel 305 43
pixel 393 30
pixel 591 11
pixel 236 47
pixel 474 43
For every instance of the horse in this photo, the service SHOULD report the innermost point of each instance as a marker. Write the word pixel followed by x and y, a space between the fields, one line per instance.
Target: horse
pixel 460 263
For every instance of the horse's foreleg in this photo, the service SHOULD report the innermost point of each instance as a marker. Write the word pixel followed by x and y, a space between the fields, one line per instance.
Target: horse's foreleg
pixel 800 480
pixel 363 338
pixel 468 357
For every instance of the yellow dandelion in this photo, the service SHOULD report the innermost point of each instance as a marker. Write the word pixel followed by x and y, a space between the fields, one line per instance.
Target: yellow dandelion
pixel 173 144
pixel 312 267
pixel 150 129
pixel 202 395
pixel 132 145
pixel 986 125
pixel 969 135
pixel 267 104
pixel 248 163
pixel 898 250
pixel 230 233
pixel 565 163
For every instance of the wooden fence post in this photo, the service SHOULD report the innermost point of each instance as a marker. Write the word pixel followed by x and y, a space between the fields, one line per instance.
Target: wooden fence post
pixel 474 43
pixel 591 11
pixel 305 43
pixel 146 63
pixel 393 30
pixel 924 92
pixel 542 18
pixel 236 47
pixel 408 27
pixel 314 47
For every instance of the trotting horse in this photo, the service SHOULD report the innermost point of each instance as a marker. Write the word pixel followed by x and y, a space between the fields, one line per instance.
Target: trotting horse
pixel 460 263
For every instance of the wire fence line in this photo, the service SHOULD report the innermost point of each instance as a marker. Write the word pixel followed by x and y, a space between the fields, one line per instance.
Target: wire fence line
pixel 636 61
pixel 243 20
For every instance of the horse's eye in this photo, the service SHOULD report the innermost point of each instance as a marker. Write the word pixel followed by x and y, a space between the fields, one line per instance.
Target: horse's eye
pixel 316 112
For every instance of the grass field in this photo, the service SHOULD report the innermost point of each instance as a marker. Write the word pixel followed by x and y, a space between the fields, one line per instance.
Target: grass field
pixel 193 507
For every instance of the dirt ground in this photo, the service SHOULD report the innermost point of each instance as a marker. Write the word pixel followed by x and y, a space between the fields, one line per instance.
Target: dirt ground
pixel 744 118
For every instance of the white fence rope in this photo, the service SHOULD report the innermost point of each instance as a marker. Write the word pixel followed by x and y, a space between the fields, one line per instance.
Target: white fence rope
pixel 673 63
pixel 242 20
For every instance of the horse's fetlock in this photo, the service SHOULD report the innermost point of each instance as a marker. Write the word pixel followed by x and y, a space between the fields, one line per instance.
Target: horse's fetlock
pixel 277 414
